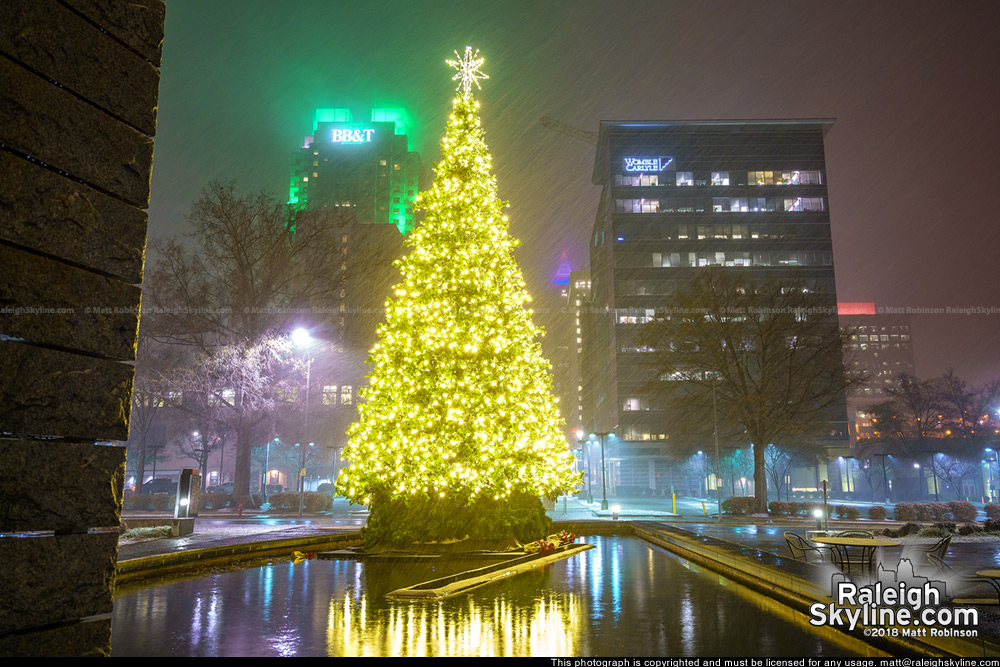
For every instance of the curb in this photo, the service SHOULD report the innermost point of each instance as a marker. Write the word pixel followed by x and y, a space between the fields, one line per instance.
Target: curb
pixel 794 592
pixel 150 567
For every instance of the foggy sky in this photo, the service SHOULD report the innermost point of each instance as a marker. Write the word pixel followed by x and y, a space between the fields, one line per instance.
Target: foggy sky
pixel 912 86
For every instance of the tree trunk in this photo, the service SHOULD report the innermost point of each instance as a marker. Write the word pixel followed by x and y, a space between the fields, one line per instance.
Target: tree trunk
pixel 241 476
pixel 759 479
pixel 141 464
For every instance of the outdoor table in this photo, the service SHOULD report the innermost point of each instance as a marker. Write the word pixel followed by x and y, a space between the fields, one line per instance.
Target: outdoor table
pixel 843 545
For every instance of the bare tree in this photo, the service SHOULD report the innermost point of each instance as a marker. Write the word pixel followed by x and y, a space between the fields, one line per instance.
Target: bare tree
pixel 778 461
pixel 763 356
pixel 243 274
pixel 969 414
pixel 148 399
pixel 954 470
pixel 909 425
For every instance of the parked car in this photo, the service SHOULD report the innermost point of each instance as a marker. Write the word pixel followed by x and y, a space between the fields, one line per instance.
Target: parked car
pixel 226 487
pixel 160 485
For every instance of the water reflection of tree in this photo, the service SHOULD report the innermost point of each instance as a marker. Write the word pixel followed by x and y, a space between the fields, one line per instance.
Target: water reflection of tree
pixel 523 616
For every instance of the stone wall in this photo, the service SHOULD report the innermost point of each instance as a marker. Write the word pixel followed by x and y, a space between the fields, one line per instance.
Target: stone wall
pixel 79 81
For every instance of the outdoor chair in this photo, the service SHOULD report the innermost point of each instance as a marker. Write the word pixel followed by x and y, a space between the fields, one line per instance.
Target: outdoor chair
pixel 955 579
pixel 800 548
pixel 863 562
pixel 917 553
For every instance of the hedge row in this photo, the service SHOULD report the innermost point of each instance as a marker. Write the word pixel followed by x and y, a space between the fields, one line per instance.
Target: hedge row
pixel 794 508
pixel 159 502
pixel 958 510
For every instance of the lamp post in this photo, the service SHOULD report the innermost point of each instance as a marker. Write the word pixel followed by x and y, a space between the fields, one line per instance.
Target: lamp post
pixel 989 474
pixel 588 470
pixel 604 484
pixel 263 476
pixel 715 429
pixel 885 479
pixel 302 339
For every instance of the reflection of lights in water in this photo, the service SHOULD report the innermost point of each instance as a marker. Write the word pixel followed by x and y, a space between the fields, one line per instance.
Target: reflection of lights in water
pixel 687 622
pixel 616 581
pixel 196 621
pixel 549 625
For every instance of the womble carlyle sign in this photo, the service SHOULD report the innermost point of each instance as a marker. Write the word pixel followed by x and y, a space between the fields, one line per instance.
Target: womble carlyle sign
pixel 647 164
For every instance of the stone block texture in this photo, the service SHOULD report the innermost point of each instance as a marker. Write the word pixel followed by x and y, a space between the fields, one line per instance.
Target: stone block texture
pixel 79 81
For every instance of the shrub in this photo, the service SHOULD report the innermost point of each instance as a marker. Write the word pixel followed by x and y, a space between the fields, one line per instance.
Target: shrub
pixel 939 511
pixel 904 530
pixel 315 502
pixel 992 511
pixel 876 513
pixel 739 505
pixel 163 501
pixel 318 502
pixel 146 533
pixel 962 510
pixel 923 511
pixel 947 525
pixel 969 529
pixel 933 531
pixel 905 512
pixel 848 512
pixel 779 507
pixel 213 501
pixel 992 525
pixel 138 501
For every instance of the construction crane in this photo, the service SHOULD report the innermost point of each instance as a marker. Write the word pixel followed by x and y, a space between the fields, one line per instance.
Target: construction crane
pixel 570 131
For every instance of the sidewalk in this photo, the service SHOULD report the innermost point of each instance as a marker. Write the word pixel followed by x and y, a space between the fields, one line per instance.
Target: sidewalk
pixel 223 529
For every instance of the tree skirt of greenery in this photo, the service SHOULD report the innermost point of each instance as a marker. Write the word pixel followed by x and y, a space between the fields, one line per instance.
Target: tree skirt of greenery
pixel 429 525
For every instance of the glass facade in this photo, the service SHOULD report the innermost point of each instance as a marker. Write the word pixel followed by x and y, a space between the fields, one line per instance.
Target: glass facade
pixel 676 197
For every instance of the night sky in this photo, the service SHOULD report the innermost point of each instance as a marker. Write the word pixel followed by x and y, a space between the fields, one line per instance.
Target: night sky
pixel 913 87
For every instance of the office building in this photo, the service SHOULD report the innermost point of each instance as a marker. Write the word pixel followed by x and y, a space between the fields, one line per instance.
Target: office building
pixel 366 167
pixel 879 347
pixel 360 179
pixel 678 196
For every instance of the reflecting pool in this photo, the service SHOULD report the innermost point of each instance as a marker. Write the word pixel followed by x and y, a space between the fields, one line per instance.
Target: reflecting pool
pixel 625 597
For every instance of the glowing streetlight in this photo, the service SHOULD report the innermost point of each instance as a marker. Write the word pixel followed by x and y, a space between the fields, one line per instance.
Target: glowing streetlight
pixel 302 339
pixel 604 489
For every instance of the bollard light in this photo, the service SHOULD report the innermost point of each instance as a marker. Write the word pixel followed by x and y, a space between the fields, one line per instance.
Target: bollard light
pixel 186 503
pixel 818 513
pixel 614 511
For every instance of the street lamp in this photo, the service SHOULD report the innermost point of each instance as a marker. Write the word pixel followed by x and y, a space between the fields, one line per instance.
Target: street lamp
pixel 604 488
pixel 989 475
pixel 263 475
pixel 302 339
pixel 588 469
pixel 715 429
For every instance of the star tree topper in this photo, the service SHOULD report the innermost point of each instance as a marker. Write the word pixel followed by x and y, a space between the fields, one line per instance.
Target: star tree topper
pixel 468 70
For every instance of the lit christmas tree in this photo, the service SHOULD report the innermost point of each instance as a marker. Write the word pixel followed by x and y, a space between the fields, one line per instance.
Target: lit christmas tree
pixel 460 433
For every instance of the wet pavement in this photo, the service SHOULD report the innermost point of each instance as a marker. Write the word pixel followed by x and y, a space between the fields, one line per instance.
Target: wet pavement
pixel 224 528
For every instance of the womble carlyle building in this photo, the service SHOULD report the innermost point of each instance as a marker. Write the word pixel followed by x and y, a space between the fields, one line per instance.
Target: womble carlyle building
pixel 679 196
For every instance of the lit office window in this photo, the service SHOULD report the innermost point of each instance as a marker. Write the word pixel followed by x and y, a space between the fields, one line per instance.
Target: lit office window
pixel 685 178
pixel 805 204
pixel 637 206
pixel 720 178
pixel 330 394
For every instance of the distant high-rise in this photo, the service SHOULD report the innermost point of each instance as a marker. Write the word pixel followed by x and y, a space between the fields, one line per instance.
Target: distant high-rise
pixel 880 346
pixel 677 196
pixel 360 180
pixel 367 167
